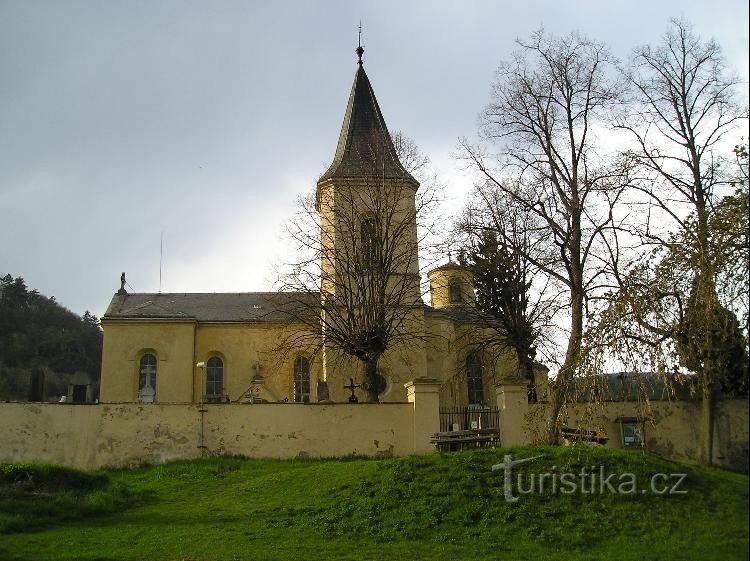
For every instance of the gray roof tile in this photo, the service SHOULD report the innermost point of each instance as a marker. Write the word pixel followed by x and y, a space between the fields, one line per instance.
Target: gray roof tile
pixel 245 307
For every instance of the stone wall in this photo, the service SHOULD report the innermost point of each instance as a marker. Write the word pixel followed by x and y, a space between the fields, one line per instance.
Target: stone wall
pixel 91 436
pixel 671 429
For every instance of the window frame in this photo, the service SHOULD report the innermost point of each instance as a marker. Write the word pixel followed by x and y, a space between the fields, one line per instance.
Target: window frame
pixel 211 376
pixel 638 430
pixel 368 239
pixel 144 376
pixel 455 295
pixel 474 378
pixel 299 382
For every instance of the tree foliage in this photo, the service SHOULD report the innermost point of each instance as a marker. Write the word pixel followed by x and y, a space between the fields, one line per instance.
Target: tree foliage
pixel 717 341
pixel 502 290
pixel 38 337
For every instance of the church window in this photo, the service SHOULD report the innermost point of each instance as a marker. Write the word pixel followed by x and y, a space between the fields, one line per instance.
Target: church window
pixel 214 376
pixel 302 380
pixel 474 379
pixel 454 292
pixel 369 236
pixel 147 379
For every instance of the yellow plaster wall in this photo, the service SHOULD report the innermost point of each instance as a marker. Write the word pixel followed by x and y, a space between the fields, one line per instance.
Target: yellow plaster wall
pixel 452 344
pixel 250 350
pixel 341 205
pixel 440 281
pixel 91 436
pixel 673 430
pixel 247 350
pixel 126 342
pixel 405 360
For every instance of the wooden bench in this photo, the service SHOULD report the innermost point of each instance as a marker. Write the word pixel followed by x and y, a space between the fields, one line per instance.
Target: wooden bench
pixel 580 435
pixel 462 439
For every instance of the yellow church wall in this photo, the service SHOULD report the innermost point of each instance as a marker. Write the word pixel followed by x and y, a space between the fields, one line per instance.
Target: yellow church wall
pixel 92 436
pixel 398 366
pixel 252 350
pixel 125 343
pixel 247 350
pixel 441 280
pixel 448 345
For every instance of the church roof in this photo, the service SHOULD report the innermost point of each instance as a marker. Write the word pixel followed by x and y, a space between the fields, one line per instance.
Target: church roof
pixel 365 148
pixel 243 307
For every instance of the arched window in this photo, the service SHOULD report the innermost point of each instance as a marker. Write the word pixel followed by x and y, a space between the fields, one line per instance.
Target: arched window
pixel 474 379
pixel 302 380
pixel 454 292
pixel 369 238
pixel 147 379
pixel 214 376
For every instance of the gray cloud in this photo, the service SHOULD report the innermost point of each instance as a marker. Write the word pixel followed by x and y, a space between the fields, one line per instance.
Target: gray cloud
pixel 119 120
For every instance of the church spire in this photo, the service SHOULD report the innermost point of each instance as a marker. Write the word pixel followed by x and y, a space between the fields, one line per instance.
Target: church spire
pixel 365 148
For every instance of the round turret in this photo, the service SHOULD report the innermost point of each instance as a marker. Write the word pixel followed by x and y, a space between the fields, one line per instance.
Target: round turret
pixel 451 284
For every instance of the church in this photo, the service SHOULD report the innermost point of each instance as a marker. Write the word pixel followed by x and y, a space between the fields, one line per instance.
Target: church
pixel 263 347
pixel 344 358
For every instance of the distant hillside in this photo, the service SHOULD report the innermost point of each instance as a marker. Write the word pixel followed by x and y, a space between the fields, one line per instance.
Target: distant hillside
pixel 43 344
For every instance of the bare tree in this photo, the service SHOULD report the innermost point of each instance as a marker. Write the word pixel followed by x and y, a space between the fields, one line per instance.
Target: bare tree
pixel 356 282
pixel 682 110
pixel 546 104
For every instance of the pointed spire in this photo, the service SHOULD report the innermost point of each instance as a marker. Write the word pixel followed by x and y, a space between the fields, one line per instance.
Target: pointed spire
pixel 365 147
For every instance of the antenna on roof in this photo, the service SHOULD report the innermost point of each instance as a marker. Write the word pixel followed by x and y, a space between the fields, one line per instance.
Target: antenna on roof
pixel 161 256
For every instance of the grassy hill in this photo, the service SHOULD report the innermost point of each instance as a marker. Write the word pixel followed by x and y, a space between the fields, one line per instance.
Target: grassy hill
pixel 434 507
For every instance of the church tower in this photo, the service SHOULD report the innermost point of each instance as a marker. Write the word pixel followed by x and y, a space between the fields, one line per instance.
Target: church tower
pixel 366 198
pixel 366 205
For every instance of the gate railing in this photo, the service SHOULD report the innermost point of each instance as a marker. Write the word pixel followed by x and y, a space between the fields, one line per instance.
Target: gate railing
pixel 472 417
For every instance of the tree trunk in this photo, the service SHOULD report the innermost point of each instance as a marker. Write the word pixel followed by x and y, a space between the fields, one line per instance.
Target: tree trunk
pixel 709 416
pixel 559 390
pixel 371 380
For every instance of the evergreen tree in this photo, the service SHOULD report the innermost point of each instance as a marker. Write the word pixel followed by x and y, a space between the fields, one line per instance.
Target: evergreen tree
pixel 502 293
pixel 711 342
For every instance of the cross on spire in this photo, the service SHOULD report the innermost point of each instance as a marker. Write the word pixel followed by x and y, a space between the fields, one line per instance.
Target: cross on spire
pixel 360 51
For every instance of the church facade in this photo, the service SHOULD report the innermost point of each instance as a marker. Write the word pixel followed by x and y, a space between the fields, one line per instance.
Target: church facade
pixel 249 347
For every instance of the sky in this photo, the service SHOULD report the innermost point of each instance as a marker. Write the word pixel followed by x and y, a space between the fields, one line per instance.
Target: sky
pixel 203 122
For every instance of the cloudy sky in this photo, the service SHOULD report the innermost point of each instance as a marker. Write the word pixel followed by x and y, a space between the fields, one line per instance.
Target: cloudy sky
pixel 205 120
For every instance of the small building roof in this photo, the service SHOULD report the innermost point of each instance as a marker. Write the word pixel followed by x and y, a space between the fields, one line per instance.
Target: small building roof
pixel 365 147
pixel 631 386
pixel 242 307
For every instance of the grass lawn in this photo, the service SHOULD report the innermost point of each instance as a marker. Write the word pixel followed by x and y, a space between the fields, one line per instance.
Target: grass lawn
pixel 443 507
